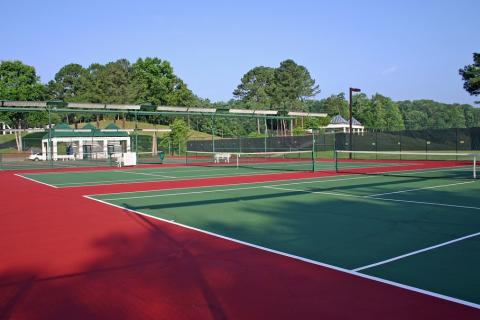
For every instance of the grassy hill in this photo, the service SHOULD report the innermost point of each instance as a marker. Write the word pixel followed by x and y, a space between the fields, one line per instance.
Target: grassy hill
pixel 145 125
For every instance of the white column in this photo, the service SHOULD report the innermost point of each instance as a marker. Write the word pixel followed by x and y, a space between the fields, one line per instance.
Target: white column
pixel 128 145
pixel 80 149
pixel 54 149
pixel 105 149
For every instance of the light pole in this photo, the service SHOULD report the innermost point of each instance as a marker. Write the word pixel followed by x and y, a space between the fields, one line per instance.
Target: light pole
pixel 351 90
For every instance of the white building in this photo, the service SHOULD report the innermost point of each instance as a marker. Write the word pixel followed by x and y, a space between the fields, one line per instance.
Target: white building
pixel 339 124
pixel 86 143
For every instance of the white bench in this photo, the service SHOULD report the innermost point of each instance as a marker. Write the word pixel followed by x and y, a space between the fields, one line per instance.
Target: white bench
pixel 219 157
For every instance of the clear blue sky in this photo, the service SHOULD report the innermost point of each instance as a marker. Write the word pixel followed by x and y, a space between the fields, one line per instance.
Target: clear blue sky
pixel 402 49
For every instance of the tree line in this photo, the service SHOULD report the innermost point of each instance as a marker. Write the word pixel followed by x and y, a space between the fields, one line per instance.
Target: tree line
pixel 288 87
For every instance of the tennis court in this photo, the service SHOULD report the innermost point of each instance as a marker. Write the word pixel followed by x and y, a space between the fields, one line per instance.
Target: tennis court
pixel 372 224
pixel 409 230
pixel 198 170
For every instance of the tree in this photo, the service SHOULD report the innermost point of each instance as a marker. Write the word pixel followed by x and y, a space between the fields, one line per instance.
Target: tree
pixel 154 82
pixel 393 117
pixel 40 118
pixel 257 86
pixel 284 88
pixel 315 123
pixel 69 84
pixel 293 84
pixel 360 106
pixel 471 76
pixel 335 104
pixel 178 135
pixel 414 119
pixel 298 131
pixel 375 115
pixel 19 82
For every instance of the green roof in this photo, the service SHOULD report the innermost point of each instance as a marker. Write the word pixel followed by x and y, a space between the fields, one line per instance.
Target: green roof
pixel 61 126
pixel 88 131
pixel 112 126
pixel 89 126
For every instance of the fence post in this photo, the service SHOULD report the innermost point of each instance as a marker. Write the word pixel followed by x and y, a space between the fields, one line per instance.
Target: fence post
pixel 313 150
pixel 400 143
pixel 265 134
pixel 213 132
pixel 456 143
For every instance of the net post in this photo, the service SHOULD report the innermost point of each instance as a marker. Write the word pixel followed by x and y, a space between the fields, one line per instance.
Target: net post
pixel 265 134
pixel 313 150
pixel 335 158
pixel 238 159
pixel 474 167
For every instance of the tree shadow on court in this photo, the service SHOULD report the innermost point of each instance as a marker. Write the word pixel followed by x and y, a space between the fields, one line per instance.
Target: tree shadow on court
pixel 344 231
pixel 150 269
pixel 147 275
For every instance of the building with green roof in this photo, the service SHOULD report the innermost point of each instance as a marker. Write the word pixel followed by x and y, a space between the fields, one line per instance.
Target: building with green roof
pixel 86 143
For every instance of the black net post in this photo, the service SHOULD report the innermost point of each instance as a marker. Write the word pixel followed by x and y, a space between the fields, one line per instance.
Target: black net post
pixel 136 132
pixel 50 144
pixel 400 143
pixel 456 143
pixel 265 134
pixel 313 150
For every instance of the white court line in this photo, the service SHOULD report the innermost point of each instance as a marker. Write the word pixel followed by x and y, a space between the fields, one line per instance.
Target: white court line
pixel 316 180
pixel 148 174
pixel 80 184
pixel 243 183
pixel 386 199
pixel 409 190
pixel 314 262
pixel 33 180
pixel 316 192
pixel 279 187
pixel 416 252
pixel 229 174
pixel 427 203
pixel 225 190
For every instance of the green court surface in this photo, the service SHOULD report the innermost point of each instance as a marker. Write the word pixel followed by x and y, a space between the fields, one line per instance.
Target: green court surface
pixel 422 233
pixel 126 175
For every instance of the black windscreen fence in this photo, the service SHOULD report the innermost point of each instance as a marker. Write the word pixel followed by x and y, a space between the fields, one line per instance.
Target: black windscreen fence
pixel 323 142
pixel 432 140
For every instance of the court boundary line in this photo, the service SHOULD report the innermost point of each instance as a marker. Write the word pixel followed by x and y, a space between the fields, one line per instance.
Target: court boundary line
pixel 375 198
pixel 273 172
pixel 279 187
pixel 425 188
pixel 232 184
pixel 33 180
pixel 416 252
pixel 220 190
pixel 77 185
pixel 425 202
pixel 148 174
pixel 314 262
pixel 310 178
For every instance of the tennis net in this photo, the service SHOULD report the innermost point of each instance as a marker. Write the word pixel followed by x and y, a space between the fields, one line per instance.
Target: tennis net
pixel 281 161
pixel 408 163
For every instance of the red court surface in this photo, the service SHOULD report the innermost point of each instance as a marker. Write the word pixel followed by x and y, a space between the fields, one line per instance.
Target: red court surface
pixel 63 256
